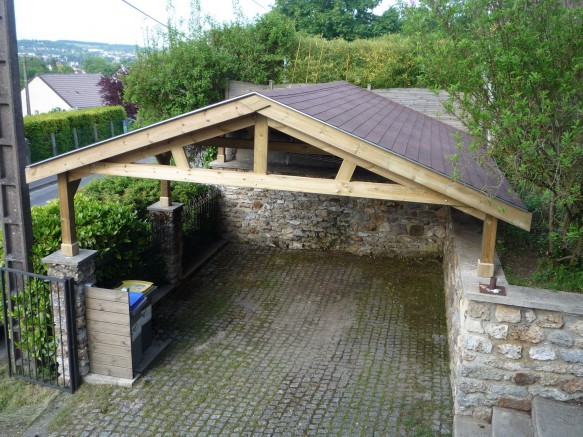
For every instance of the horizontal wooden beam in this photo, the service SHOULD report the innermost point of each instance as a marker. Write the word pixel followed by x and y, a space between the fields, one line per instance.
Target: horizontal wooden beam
pixel 384 191
pixel 396 164
pixel 134 141
pixel 174 144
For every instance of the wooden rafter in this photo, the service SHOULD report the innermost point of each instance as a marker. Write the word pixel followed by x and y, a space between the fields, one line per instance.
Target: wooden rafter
pixel 395 164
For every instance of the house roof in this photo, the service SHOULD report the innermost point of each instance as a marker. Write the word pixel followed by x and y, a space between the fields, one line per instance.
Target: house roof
pixel 356 125
pixel 80 91
pixel 400 130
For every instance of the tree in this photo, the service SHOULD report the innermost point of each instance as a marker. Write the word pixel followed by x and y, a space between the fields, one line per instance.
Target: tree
pixel 34 66
pixel 94 64
pixel 112 92
pixel 514 72
pixel 347 19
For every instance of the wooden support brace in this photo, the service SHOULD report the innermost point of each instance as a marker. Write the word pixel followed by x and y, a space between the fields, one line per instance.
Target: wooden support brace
pixel 67 190
pixel 486 261
pixel 346 171
pixel 260 145
pixel 180 158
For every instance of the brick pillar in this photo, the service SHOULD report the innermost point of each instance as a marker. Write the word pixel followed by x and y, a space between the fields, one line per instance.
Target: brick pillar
pixel 167 229
pixel 81 268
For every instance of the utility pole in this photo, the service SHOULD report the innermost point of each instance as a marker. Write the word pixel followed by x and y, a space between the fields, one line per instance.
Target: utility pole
pixel 15 217
pixel 24 72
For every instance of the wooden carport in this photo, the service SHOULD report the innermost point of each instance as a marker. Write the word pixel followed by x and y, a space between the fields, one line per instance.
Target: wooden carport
pixel 410 150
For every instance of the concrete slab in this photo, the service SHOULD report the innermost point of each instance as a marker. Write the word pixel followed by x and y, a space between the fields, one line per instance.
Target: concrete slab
pixel 508 422
pixel 552 418
pixel 466 426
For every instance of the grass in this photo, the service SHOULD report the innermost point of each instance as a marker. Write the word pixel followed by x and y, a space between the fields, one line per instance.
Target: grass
pixel 21 403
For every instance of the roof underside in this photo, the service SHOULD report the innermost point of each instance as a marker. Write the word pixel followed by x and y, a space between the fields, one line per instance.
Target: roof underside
pixel 400 130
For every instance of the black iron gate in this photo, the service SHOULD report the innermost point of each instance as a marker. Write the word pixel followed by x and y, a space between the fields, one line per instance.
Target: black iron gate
pixel 40 331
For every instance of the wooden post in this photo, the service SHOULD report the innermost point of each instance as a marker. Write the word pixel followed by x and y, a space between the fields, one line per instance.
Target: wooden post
pixel 261 142
pixel 165 189
pixel 486 261
pixel 221 154
pixel 69 245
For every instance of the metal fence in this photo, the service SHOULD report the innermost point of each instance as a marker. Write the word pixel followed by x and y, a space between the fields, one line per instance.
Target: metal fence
pixel 200 221
pixel 40 328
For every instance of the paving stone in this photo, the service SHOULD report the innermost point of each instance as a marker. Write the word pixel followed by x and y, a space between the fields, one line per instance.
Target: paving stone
pixel 507 422
pixel 269 341
pixel 553 418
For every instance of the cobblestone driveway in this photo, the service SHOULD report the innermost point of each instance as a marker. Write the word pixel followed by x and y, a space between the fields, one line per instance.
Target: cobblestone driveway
pixel 276 342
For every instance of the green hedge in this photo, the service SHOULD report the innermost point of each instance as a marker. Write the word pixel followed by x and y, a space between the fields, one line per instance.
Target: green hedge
pixel 38 129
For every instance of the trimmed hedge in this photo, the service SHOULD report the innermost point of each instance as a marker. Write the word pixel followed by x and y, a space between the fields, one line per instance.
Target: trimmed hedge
pixel 38 129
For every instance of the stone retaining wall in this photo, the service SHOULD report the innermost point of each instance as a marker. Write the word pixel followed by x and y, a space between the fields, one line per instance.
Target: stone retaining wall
pixel 506 349
pixel 311 221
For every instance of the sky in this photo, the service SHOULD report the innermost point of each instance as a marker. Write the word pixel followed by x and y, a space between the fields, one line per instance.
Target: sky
pixel 114 21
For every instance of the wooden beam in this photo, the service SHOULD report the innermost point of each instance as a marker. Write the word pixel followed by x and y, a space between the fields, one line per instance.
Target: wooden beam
pixel 67 189
pixel 181 141
pixel 152 135
pixel 486 261
pixel 346 171
pixel 261 144
pixel 165 189
pixel 276 146
pixel 370 190
pixel 180 158
pixel 398 165
pixel 331 150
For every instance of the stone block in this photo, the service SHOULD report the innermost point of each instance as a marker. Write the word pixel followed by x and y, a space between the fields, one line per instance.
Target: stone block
pixel 508 390
pixel 481 372
pixel 572 355
pixel 478 310
pixel 577 327
pixel 542 353
pixel 473 325
pixel 573 385
pixel 529 315
pixel 550 319
pixel 561 338
pixel 512 351
pixel 530 333
pixel 498 332
pixel 515 404
pixel 523 379
pixel 472 386
pixel 507 314
pixel 477 343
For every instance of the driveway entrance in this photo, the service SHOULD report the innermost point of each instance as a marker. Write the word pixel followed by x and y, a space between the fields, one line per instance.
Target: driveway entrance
pixel 276 342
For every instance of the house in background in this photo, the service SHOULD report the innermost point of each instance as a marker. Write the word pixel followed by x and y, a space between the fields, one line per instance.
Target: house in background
pixel 64 91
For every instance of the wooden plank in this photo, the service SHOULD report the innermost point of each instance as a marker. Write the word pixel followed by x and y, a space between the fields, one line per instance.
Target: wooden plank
pixel 102 316
pixel 70 245
pixel 346 171
pixel 107 306
pixel 133 141
pixel 107 370
pixel 111 339
pixel 398 165
pixel 261 142
pixel 486 261
pixel 107 294
pixel 98 349
pixel 370 190
pixel 180 158
pixel 112 360
pixel 179 141
pixel 108 327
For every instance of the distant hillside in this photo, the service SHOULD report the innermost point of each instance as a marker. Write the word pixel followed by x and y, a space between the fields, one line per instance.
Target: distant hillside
pixel 75 51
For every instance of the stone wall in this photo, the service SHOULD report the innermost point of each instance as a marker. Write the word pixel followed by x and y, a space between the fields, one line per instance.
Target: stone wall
pixel 311 221
pixel 507 349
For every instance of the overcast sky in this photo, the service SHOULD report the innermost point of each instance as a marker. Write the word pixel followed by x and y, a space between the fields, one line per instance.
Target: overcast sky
pixel 113 21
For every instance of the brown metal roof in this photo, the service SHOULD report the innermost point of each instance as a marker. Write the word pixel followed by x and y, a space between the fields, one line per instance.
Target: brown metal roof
pixel 80 91
pixel 397 129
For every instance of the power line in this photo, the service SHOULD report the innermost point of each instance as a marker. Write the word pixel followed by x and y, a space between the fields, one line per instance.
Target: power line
pixel 259 4
pixel 144 13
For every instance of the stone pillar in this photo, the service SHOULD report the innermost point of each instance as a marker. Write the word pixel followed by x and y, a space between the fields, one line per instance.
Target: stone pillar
pixel 81 268
pixel 167 229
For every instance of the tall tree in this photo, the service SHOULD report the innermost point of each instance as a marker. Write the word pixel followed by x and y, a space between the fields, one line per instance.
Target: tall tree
pixel 514 70
pixel 95 64
pixel 347 19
